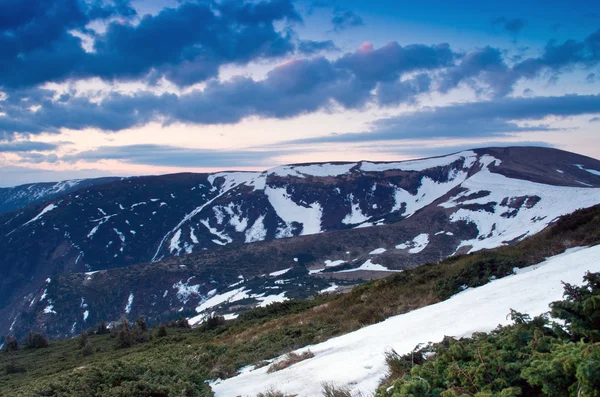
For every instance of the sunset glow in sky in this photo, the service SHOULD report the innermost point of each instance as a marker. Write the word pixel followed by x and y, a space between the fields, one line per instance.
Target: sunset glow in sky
pixel 118 87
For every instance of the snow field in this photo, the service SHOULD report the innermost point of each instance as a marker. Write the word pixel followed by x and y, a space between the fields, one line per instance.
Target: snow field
pixel 357 359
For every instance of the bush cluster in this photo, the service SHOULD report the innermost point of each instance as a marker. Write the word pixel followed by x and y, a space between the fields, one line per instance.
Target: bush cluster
pixel 532 357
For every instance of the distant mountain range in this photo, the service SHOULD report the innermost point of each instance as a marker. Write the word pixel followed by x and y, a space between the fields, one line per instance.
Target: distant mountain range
pixel 13 198
pixel 188 244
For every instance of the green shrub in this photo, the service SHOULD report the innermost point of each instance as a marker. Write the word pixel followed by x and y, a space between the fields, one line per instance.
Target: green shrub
pixel 36 341
pixel 528 358
pixel 162 331
pixel 87 349
pixel 181 322
pixel 580 309
pixel 11 344
pixel 102 328
pixel 141 325
pixel 212 322
pixel 125 337
pixel 83 338
pixel 13 366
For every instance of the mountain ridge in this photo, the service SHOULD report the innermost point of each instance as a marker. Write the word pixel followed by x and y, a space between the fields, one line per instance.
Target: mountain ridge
pixel 318 215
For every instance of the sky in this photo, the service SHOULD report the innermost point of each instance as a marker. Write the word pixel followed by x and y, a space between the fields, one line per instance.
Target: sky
pixel 94 88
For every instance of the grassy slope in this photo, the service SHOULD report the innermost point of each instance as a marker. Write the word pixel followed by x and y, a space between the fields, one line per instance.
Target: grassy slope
pixel 180 362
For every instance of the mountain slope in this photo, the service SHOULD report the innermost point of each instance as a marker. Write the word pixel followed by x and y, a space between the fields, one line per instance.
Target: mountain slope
pixel 186 358
pixel 357 360
pixel 425 210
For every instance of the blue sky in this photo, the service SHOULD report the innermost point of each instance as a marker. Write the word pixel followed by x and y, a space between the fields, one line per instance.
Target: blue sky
pixel 119 87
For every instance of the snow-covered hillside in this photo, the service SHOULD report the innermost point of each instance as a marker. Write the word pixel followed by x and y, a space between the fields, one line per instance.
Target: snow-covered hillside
pixel 357 359
pixel 370 219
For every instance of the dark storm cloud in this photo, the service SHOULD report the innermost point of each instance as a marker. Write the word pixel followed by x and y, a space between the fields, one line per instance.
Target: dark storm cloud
pixel 291 89
pixel 189 43
pixel 186 44
pixel 476 119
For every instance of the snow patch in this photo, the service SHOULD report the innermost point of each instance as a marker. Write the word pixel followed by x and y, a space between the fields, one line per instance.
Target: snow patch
pixel 47 209
pixel 49 309
pixel 185 291
pixel 368 265
pixel 280 272
pixel 226 297
pixel 418 244
pixel 593 172
pixel 224 238
pixel 193 235
pixel 356 215
pixel 331 288
pixel 121 235
pixel 469 157
pixel 307 215
pixel 427 193
pixel 267 300
pixel 174 245
pixel 330 263
pixel 129 303
pixel 319 170
pixel 256 232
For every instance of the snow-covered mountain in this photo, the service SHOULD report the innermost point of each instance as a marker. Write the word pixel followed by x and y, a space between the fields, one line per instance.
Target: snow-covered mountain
pixel 349 222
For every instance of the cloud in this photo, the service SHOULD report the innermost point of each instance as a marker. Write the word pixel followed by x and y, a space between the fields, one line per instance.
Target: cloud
pixel 485 69
pixel 345 19
pixel 290 89
pixel 397 92
pixel 590 78
pixel 385 76
pixel 186 44
pixel 513 26
pixel 558 57
pixel 475 119
pixel 160 155
pixel 38 158
pixel 310 47
pixel 27 146
pixel 485 66
pixel 392 60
